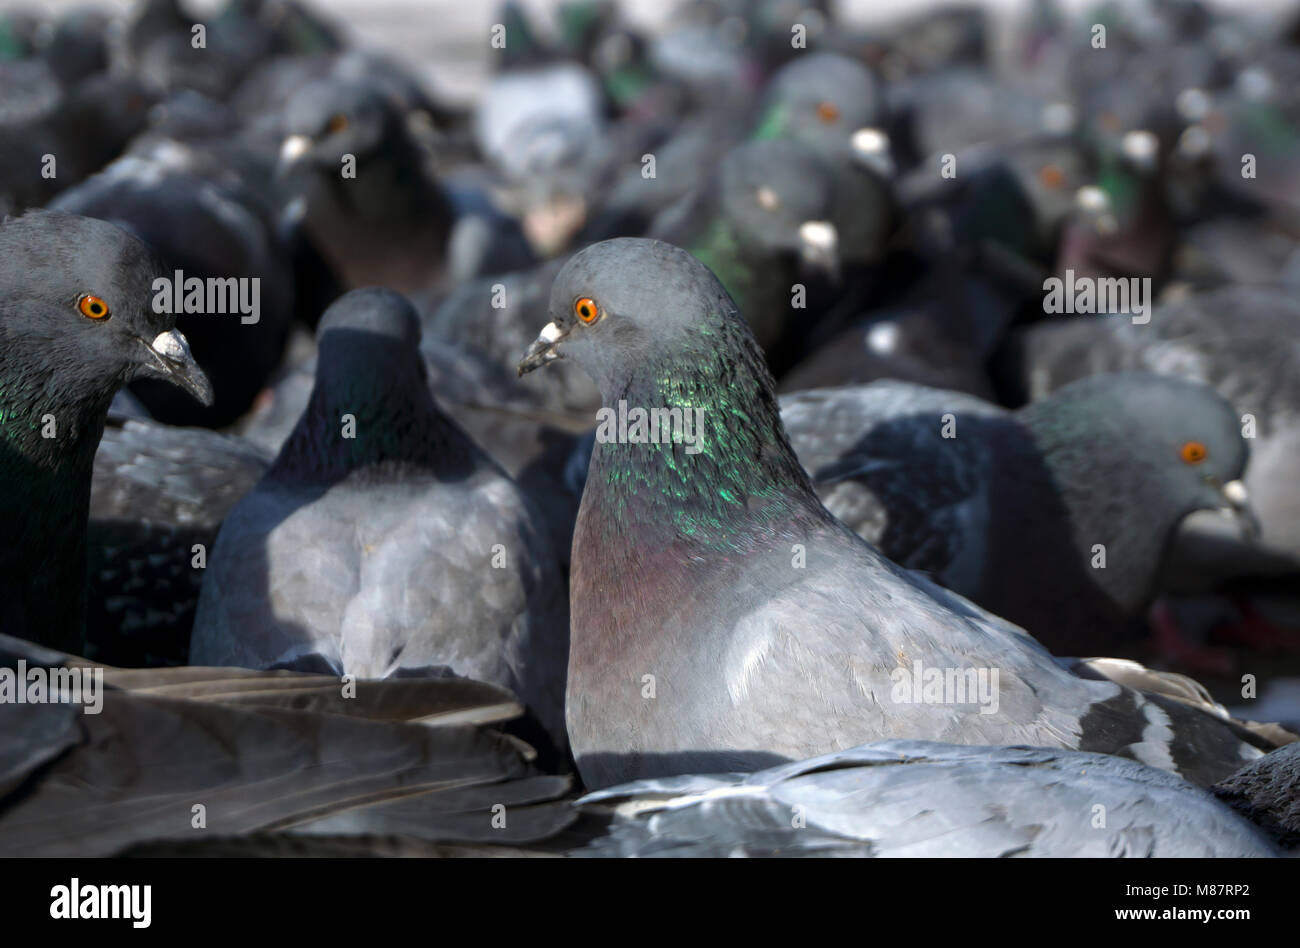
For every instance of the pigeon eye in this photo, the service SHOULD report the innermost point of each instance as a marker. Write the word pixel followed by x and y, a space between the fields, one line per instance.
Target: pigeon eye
pixel 92 307
pixel 1051 176
pixel 337 123
pixel 586 309
pixel 1193 452
pixel 827 112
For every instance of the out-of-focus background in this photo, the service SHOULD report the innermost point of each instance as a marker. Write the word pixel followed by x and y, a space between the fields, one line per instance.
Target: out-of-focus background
pixel 446 41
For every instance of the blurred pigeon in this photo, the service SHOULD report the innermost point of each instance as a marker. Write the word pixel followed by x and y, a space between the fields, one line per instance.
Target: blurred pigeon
pixel 370 204
pixel 762 223
pixel 382 541
pixel 752 626
pixel 75 324
pixel 918 799
pixel 85 130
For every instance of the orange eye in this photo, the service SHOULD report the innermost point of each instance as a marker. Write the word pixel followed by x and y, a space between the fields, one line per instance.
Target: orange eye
pixel 586 309
pixel 1051 176
pixel 1193 452
pixel 827 112
pixel 337 123
pixel 92 307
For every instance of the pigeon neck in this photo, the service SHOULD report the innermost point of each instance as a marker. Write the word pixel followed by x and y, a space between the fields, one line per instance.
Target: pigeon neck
pixel 378 418
pixel 47 450
pixel 693 446
pixel 1084 482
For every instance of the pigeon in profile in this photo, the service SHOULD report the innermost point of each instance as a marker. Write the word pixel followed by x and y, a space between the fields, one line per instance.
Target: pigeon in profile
pixel 75 325
pixel 1242 341
pixel 723 619
pixel 211 225
pixel 1056 517
pixel 382 541
pixel 917 798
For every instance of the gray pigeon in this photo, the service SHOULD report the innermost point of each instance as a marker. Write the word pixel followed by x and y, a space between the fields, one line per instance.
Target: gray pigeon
pixel 1242 341
pixel 382 541
pixel 261 752
pixel 723 619
pixel 919 799
pixel 1056 517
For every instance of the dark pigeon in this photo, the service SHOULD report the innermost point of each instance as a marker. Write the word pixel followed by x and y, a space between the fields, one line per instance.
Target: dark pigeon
pixel 86 129
pixel 751 626
pixel 1267 792
pixel 75 325
pixel 265 753
pixel 918 799
pixel 382 541
pixel 209 222
pixel 390 221
pixel 1008 508
pixel 157 499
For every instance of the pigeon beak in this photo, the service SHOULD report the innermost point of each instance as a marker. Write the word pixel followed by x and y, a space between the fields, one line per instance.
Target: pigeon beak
pixel 171 360
pixel 1237 504
pixel 819 243
pixel 871 150
pixel 542 350
pixel 291 151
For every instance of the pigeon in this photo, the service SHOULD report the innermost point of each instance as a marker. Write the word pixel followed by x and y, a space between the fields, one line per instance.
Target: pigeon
pixel 722 619
pixel 75 325
pixel 1056 517
pixel 369 203
pixel 918 799
pixel 1265 792
pixel 157 499
pixel 763 224
pixel 183 755
pixel 87 128
pixel 231 278
pixel 1239 340
pixel 382 541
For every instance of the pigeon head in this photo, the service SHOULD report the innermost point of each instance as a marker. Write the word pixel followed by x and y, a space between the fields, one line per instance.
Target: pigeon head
pixel 330 118
pixel 1176 443
pixel 371 403
pixel 778 198
pixel 368 340
pixel 620 302
pixel 76 316
pixel 821 100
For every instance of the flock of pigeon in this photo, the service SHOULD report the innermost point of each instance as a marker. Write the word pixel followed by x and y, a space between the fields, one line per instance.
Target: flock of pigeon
pixel 713 441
